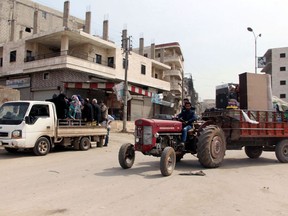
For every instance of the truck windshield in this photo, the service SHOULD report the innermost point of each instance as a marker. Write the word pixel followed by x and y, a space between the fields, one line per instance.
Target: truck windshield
pixel 13 113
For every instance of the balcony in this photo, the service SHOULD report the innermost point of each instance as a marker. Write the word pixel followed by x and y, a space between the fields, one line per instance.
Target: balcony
pixel 176 88
pixel 54 61
pixel 176 73
pixel 176 59
pixel 109 63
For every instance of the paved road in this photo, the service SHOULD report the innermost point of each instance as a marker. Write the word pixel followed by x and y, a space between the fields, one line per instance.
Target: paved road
pixel 77 183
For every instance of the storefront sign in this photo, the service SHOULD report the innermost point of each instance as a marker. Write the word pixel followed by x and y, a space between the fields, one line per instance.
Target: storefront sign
pixel 18 83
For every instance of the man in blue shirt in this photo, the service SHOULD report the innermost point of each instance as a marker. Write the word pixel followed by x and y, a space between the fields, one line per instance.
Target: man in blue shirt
pixel 187 116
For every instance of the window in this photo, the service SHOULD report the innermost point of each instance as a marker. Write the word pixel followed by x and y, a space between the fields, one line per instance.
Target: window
pixel 282 55
pixel 98 59
pixel 145 55
pixel 13 56
pixel 1 62
pixel 111 62
pixel 143 69
pixel 282 68
pixel 38 111
pixel 29 56
pixel 46 76
pixel 159 55
pixel 282 95
pixel 282 82
pixel 44 14
pixel 156 76
pixel 27 29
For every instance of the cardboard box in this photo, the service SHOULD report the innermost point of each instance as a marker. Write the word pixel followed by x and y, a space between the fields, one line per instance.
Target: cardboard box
pixel 255 91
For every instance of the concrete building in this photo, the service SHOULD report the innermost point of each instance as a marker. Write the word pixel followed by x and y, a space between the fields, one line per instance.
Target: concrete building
pixel 45 52
pixel 277 67
pixel 169 54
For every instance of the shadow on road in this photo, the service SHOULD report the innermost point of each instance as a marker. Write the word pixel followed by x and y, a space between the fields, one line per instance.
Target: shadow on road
pixel 148 169
pixel 234 163
pixel 143 169
pixel 24 153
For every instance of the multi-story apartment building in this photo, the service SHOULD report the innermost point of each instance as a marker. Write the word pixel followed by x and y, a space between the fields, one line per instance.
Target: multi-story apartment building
pixel 277 67
pixel 169 54
pixel 45 52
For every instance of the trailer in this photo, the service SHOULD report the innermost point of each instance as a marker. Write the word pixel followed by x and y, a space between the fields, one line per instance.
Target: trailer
pixel 256 131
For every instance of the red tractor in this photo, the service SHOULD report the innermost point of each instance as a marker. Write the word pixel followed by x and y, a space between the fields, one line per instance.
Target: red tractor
pixel 209 138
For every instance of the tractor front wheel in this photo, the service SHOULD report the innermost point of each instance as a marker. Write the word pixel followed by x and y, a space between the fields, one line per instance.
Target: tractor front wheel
pixel 281 151
pixel 253 151
pixel 167 161
pixel 126 156
pixel 211 146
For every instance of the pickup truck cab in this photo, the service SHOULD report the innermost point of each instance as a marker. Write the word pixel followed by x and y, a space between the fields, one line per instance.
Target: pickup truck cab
pixel 34 125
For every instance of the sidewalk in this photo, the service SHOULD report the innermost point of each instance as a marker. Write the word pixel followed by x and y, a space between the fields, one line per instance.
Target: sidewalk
pixel 117 126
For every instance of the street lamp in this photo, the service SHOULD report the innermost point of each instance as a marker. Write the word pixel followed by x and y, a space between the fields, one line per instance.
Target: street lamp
pixel 255 37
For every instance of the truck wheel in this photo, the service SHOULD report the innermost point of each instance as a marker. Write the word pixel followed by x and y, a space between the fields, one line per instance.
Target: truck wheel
pixel 11 150
pixel 211 146
pixel 126 156
pixel 281 151
pixel 84 144
pixel 167 161
pixel 42 146
pixel 253 151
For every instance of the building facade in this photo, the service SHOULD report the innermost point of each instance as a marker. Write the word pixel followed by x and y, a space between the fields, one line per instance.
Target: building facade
pixel 277 67
pixel 45 52
pixel 169 54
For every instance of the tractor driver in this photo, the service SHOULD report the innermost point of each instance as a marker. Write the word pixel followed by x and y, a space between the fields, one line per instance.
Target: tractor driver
pixel 187 116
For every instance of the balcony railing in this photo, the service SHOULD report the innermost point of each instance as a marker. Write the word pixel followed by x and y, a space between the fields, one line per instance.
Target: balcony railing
pixel 84 56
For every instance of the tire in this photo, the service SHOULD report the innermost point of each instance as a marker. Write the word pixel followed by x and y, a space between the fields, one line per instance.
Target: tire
pixel 253 152
pixel 11 150
pixel 42 146
pixel 281 151
pixel 167 161
pixel 126 156
pixel 84 144
pixel 211 146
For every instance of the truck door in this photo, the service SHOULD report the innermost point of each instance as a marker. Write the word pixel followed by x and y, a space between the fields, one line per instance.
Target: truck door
pixel 40 121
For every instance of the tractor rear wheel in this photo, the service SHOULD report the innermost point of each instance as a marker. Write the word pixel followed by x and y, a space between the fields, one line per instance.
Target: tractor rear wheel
pixel 167 161
pixel 126 156
pixel 211 146
pixel 281 151
pixel 253 151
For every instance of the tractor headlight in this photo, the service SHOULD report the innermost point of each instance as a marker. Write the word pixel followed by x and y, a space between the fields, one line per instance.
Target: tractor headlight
pixel 16 134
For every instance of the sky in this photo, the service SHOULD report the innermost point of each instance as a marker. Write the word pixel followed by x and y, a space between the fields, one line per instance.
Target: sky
pixel 213 35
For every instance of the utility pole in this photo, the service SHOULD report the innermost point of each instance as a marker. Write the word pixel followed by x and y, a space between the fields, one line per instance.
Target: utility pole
pixel 255 39
pixel 126 45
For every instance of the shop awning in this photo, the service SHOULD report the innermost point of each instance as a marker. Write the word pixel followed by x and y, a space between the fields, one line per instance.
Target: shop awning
pixel 105 85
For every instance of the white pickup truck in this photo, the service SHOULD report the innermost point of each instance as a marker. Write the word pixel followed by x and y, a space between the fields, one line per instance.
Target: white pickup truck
pixel 34 125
